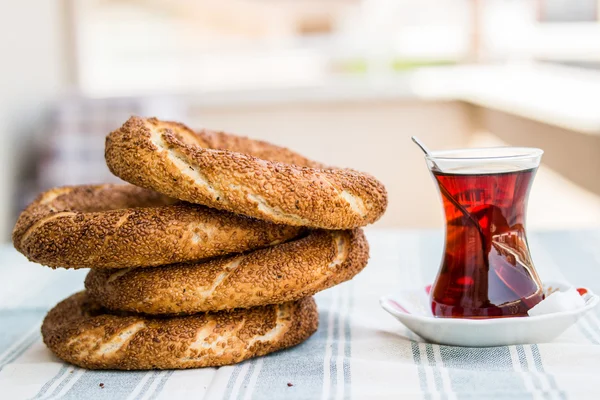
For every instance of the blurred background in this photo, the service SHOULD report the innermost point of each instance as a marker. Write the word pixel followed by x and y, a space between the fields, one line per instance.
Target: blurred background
pixel 346 82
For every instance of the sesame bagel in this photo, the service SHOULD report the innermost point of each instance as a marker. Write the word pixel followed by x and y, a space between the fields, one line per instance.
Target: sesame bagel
pixel 277 274
pixel 116 226
pixel 82 333
pixel 242 176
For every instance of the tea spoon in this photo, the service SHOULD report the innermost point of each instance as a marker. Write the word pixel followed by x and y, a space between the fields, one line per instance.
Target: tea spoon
pixel 425 150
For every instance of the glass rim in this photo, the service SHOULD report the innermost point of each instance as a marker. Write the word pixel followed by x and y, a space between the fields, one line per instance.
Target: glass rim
pixel 511 153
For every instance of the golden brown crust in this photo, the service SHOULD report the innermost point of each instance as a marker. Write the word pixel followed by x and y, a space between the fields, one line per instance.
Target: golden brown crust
pixel 277 274
pixel 82 333
pixel 208 168
pixel 116 226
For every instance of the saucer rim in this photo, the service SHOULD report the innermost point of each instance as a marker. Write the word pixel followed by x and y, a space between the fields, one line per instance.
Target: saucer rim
pixel 591 302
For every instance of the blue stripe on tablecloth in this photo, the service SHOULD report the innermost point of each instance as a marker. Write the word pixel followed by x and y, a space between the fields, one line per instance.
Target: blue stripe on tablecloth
pixel 347 343
pixel 334 347
pixel 46 386
pixel 117 385
pixel 161 385
pixel 430 245
pixel 525 367
pixel 62 377
pixel 302 366
pixel 232 379
pixel 527 373
pixel 482 371
pixel 586 331
pixel 522 358
pixel 420 369
pixel 425 254
pixel 153 376
pixel 342 317
pixel 247 377
pixel 437 377
pixel 20 349
pixel 537 360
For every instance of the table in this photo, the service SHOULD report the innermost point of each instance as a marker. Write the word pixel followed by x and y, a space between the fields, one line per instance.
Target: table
pixel 358 352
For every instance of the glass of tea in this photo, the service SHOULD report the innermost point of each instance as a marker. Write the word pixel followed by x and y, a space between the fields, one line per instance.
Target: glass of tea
pixel 486 270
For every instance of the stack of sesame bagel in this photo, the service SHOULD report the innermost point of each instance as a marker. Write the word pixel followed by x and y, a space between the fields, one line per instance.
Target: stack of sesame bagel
pixel 209 256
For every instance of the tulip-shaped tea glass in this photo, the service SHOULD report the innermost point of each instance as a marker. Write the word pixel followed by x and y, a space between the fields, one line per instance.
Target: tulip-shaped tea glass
pixel 486 270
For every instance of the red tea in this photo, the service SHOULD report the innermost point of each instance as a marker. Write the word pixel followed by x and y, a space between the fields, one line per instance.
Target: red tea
pixel 486 270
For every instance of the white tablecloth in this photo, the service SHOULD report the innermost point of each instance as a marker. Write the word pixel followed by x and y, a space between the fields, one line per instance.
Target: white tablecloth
pixel 358 352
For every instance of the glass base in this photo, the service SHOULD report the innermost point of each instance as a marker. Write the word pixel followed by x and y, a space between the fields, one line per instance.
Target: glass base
pixel 515 309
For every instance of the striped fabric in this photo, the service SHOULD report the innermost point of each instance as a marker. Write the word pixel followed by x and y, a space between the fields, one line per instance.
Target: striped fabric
pixel 358 352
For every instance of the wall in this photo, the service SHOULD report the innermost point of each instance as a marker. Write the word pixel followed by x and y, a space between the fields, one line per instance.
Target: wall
pixel 575 155
pixel 34 70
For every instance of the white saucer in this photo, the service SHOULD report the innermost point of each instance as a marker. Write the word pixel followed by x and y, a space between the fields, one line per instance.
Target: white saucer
pixel 412 308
